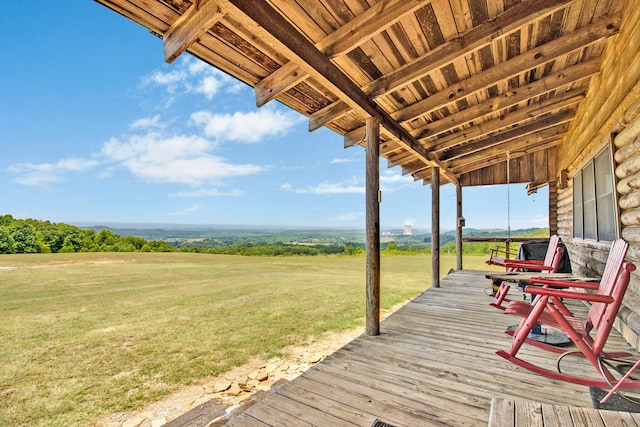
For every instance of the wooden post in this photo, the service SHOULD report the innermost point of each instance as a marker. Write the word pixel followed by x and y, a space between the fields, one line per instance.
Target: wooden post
pixel 553 208
pixel 435 227
pixel 373 226
pixel 459 227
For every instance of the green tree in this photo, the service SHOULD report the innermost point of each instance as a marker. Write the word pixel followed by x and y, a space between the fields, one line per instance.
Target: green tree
pixel 6 241
pixel 24 237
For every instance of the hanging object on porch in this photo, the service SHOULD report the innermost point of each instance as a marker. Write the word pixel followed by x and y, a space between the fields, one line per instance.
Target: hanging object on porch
pixel 508 200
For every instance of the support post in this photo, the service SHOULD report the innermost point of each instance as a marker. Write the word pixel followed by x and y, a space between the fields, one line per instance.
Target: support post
pixel 553 208
pixel 435 227
pixel 373 226
pixel 459 225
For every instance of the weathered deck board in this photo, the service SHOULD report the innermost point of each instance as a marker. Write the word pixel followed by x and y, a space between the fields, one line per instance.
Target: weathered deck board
pixel 433 364
pixel 525 413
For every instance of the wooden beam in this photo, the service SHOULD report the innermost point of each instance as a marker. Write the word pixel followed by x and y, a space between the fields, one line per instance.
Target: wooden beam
pixel 518 117
pixel 400 159
pixel 459 225
pixel 543 129
pixel 373 226
pixel 328 114
pixel 435 227
pixel 485 145
pixel 548 84
pixel 413 167
pixel 520 148
pixel 314 61
pixel 190 26
pixel 479 36
pixel 367 25
pixel 354 137
pixel 602 28
pixel 281 80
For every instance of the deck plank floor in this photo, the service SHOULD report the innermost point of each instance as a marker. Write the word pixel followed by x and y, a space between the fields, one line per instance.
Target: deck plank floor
pixel 433 364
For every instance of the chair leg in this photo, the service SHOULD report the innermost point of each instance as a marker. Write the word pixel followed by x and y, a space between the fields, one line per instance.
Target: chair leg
pixel 500 296
pixel 527 324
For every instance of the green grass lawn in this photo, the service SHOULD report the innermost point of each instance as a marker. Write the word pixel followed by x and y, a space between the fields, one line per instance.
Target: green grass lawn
pixel 86 335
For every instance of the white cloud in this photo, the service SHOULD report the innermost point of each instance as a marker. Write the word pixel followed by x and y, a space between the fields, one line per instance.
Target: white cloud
pixel 148 122
pixel 47 174
pixel 341 160
pixel 394 177
pixel 246 127
pixel 191 75
pixel 182 159
pixel 345 187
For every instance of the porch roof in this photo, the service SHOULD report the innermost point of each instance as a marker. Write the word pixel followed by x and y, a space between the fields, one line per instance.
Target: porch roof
pixel 461 85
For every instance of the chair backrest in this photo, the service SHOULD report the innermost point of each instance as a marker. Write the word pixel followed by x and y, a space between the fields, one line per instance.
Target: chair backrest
pixel 608 282
pixel 556 261
pixel 551 250
pixel 610 311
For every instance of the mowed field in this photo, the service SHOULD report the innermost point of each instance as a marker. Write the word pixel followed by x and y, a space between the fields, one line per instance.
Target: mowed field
pixel 85 335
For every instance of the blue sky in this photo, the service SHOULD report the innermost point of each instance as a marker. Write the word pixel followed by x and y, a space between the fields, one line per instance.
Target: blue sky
pixel 95 127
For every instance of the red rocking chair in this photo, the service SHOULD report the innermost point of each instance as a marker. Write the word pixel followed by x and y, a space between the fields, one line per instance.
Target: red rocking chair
pixel 548 265
pixel 549 310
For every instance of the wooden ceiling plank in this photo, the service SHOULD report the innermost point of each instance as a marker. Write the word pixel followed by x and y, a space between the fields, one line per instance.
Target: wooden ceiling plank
pixel 554 122
pixel 281 80
pixel 400 159
pixel 367 25
pixel 463 45
pixel 414 167
pixel 328 114
pixel 190 26
pixel 524 93
pixel 525 114
pixel 598 30
pixel 144 13
pixel 301 50
pixel 520 149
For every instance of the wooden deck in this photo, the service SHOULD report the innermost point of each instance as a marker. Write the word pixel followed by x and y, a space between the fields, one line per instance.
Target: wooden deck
pixel 432 364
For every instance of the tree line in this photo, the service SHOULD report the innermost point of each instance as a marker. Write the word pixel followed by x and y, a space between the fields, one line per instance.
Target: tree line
pixel 19 236
pixel 23 236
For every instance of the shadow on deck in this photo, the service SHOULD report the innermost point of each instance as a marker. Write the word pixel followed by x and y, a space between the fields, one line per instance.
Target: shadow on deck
pixel 432 364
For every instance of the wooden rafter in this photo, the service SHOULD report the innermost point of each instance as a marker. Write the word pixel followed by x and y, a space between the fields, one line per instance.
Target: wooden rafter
pixel 541 55
pixel 520 116
pixel 485 145
pixel 562 79
pixel 265 16
pixel 190 26
pixel 461 46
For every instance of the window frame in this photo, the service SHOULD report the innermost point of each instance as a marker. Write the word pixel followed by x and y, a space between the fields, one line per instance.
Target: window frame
pixel 588 227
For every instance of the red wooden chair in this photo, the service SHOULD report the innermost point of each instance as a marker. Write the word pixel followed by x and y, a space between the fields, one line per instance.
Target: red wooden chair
pixel 515 264
pixel 504 287
pixel 549 310
pixel 548 265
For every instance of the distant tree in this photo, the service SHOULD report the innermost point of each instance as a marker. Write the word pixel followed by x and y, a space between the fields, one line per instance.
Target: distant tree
pixel 24 237
pixel 6 241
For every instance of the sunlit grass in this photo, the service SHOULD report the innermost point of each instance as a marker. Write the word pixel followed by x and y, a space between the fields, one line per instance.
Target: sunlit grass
pixel 84 335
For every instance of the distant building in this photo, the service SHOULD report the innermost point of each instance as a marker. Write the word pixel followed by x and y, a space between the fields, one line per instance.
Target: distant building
pixel 407 230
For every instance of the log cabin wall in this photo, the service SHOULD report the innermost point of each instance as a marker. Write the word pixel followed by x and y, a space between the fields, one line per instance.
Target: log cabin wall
pixel 610 116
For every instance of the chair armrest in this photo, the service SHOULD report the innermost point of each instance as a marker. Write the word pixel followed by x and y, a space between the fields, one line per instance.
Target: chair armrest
pixel 528 265
pixel 559 293
pixel 564 283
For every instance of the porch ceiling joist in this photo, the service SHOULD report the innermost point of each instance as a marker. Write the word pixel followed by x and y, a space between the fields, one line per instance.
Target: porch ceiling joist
pixel 272 22
pixel 541 55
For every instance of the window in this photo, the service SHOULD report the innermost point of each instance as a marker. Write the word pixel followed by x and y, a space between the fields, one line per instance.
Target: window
pixel 594 200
